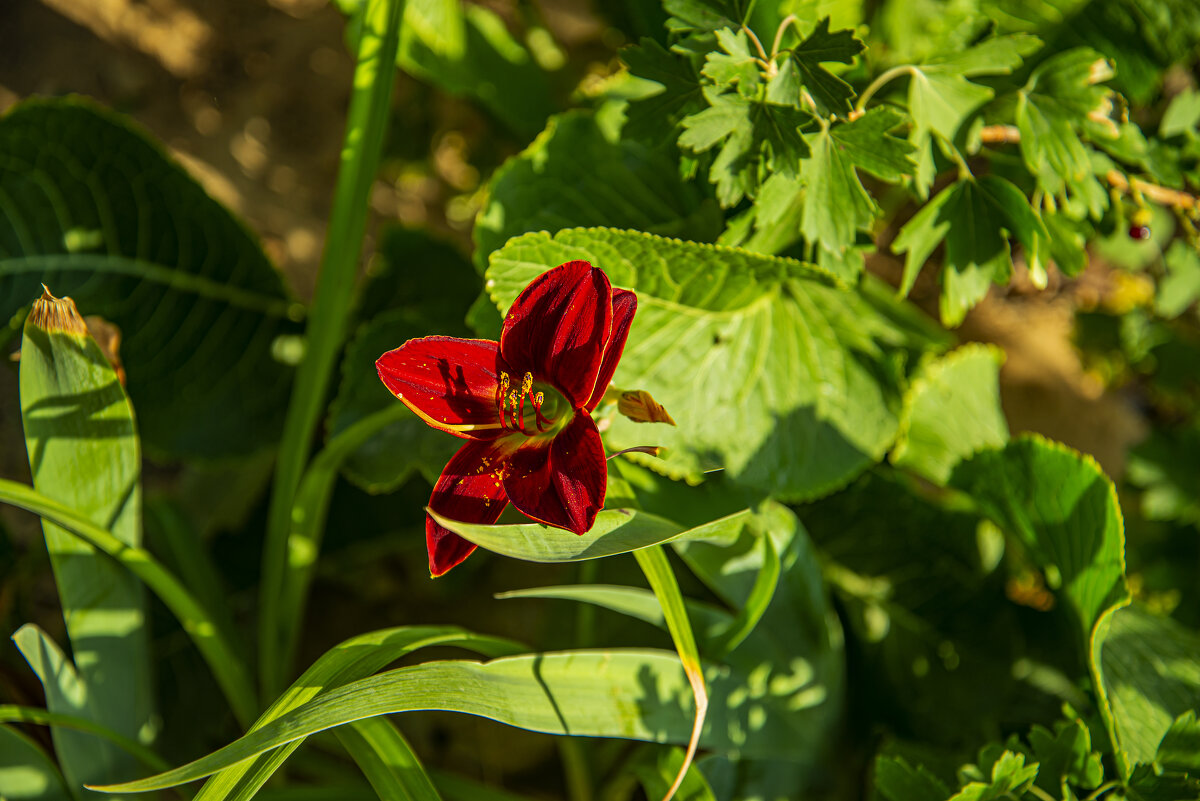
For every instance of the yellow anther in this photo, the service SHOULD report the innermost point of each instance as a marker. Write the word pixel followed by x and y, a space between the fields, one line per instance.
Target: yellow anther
pixel 538 398
pixel 503 382
pixel 526 384
pixel 513 399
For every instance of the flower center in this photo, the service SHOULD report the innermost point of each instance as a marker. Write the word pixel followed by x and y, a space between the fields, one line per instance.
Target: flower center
pixel 533 408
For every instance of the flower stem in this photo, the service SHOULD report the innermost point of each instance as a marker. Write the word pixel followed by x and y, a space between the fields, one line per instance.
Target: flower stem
pixel 878 83
pixel 369 103
pixel 789 20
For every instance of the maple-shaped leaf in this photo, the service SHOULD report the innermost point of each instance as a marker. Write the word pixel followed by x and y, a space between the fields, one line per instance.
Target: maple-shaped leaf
pixel 756 138
pixel 650 118
pixel 940 98
pixel 803 69
pixel 736 67
pixel 1060 92
pixel 837 205
pixel 974 217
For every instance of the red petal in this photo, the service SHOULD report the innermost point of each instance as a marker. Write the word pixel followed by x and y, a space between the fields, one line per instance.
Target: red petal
pixel 558 326
pixel 561 483
pixel 450 383
pixel 624 305
pixel 469 490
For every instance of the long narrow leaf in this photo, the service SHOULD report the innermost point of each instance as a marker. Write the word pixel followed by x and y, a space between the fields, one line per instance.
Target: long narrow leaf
pixel 657 568
pixel 615 531
pixel 332 301
pixel 756 604
pixel 308 516
pixel 27 772
pixel 12 713
pixel 633 694
pixel 350 660
pixel 387 760
pixel 84 452
pixel 229 671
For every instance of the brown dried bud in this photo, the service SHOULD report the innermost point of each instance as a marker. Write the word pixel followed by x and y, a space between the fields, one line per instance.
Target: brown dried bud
pixel 56 314
pixel 108 337
pixel 639 406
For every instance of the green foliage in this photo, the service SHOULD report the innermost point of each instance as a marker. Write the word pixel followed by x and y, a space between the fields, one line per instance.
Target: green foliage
pixel 803 71
pixel 26 772
pixel 105 217
pixel 572 175
pixel 83 452
pixel 973 218
pixel 951 410
pixel 751 339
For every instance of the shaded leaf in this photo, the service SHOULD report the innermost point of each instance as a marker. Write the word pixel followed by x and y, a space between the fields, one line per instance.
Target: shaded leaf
pixel 831 93
pixel 657 115
pixel 197 302
pixel 572 175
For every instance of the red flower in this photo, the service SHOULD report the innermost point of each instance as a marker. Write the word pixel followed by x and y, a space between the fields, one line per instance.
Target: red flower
pixel 524 405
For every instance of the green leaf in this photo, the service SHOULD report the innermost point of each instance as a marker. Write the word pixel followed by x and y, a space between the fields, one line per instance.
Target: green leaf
pixel 229 671
pixel 757 602
pixel 836 205
pixel 635 602
pixel 1010 776
pixel 1182 115
pixel 658 768
pixel 10 713
pixel 705 16
pixel 868 143
pixel 27 773
pixel 951 410
pixel 753 134
pixel 1066 755
pixel 572 175
pixel 84 453
pixel 653 117
pixel 772 371
pixel 348 661
pixel 387 760
pixel 940 98
pixel 93 209
pixel 974 217
pixel 631 694
pixel 734 69
pixel 1059 93
pixel 831 93
pixel 362 144
pixel 1064 510
pixel 921 599
pixel 896 780
pixel 1181 287
pixel 491 67
pixel 657 570
pixel 615 531
pixel 1150 677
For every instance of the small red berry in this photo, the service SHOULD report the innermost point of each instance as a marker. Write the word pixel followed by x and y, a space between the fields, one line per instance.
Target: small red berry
pixel 1139 232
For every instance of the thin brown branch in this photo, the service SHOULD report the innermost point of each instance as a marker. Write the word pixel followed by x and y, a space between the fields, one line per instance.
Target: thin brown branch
pixel 1000 135
pixel 1159 194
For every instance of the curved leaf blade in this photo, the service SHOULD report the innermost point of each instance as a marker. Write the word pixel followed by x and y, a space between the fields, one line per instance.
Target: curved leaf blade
pixel 615 531
pixel 91 207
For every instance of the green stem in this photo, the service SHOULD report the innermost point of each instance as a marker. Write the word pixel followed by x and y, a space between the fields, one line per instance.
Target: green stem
pixel 327 321
pixel 878 83
pixel 222 659
pixel 11 713
pixel 307 520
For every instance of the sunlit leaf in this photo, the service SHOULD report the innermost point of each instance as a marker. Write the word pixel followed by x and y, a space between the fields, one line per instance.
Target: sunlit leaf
pixel 84 453
pixel 951 409
pixel 771 370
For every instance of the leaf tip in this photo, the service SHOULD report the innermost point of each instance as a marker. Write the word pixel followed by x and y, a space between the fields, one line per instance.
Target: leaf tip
pixel 56 315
